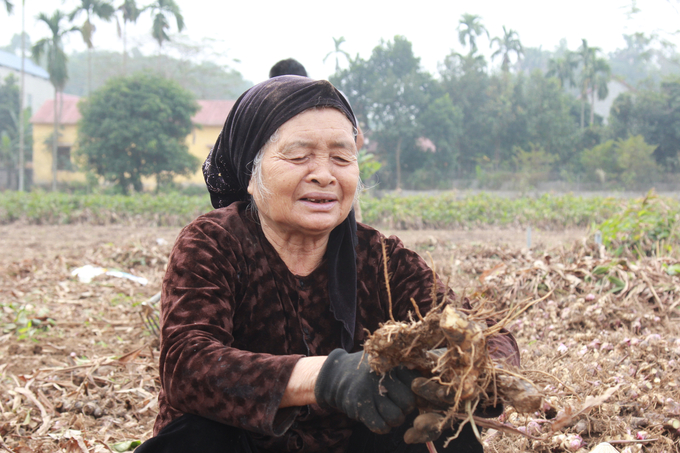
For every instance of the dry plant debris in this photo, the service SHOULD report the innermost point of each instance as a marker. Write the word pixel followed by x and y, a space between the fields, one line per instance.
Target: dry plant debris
pixel 79 371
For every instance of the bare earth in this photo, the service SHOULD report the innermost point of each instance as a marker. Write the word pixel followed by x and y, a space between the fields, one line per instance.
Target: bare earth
pixel 19 242
pixel 79 370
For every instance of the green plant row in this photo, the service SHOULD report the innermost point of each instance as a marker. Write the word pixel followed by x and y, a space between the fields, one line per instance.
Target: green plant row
pixel 41 208
pixel 449 210
pixel 452 211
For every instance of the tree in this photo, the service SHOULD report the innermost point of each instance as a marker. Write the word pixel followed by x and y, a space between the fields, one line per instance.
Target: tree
pixel 595 74
pixel 635 62
pixel 9 106
pixel 9 6
pixel 467 82
pixel 12 125
pixel 159 9
pixel 469 29
pixel 130 13
pixel 507 45
pixel 389 92
pixel 92 8
pixel 629 162
pixel 135 127
pixel 52 48
pixel 653 113
pixel 563 68
pixel 338 51
pixel 600 76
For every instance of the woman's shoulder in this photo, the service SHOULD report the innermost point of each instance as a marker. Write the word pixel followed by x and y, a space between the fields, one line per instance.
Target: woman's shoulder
pixel 231 221
pixel 371 240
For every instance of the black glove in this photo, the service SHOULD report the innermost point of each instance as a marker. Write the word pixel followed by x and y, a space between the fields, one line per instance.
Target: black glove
pixel 347 383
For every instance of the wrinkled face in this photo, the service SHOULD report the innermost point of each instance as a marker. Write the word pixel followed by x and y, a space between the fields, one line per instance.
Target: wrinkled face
pixel 311 174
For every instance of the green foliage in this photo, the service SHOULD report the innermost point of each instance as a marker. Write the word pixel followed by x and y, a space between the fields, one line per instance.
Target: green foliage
pixel 9 123
pixel 52 48
pixel 368 165
pixel 449 210
pixel 649 226
pixel 653 113
pixel 128 445
pixel 628 162
pixel 170 209
pixel 134 127
pixel 24 320
pixel 532 166
pixel 389 96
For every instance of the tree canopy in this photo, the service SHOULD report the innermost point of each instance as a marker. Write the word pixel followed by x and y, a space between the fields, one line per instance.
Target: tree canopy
pixel 134 127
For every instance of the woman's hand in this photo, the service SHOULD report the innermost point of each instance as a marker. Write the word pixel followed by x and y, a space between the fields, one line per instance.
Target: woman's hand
pixel 347 383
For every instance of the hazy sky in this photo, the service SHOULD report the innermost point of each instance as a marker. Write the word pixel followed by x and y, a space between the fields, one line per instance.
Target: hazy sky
pixel 259 33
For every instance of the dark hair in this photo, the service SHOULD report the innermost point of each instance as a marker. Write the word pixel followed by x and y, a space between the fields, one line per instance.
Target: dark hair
pixel 289 66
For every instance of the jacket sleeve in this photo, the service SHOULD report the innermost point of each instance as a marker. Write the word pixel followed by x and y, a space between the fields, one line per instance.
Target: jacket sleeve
pixel 201 373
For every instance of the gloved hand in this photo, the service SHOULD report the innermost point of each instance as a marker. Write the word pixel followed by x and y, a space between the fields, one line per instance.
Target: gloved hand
pixel 347 383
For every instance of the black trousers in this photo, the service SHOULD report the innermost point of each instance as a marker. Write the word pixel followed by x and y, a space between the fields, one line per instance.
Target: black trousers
pixel 191 433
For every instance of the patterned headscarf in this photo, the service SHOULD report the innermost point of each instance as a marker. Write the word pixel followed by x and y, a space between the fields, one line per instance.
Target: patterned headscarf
pixel 256 115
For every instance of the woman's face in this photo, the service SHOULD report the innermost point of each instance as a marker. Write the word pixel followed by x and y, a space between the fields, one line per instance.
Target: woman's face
pixel 311 173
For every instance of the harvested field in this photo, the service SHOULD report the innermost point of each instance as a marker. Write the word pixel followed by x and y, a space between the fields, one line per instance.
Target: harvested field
pixel 79 371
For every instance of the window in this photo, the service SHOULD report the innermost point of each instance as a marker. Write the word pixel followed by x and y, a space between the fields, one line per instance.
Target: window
pixel 64 158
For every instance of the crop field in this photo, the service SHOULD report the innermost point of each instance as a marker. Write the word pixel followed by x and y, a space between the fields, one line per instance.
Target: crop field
pixel 601 342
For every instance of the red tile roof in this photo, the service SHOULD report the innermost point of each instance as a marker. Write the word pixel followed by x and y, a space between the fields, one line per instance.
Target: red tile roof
pixel 211 113
pixel 69 112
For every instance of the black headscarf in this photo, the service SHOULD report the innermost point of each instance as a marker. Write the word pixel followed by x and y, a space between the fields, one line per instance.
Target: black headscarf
pixel 256 115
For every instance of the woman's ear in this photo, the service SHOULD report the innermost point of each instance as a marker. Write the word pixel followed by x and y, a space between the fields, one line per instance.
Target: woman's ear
pixel 251 186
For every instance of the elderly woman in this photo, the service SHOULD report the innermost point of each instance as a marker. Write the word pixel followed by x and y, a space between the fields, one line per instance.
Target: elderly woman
pixel 268 299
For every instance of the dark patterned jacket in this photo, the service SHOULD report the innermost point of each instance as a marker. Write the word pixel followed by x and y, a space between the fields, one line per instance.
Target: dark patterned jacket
pixel 236 321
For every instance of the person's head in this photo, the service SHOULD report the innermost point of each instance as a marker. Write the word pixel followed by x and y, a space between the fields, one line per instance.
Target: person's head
pixel 296 137
pixel 289 66
pixel 305 179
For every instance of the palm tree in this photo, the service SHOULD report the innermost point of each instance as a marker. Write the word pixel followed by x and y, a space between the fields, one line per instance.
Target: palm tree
pixel 52 48
pixel 99 8
pixel 469 29
pixel 508 44
pixel 338 51
pixel 159 9
pixel 601 74
pixel 592 68
pixel 9 6
pixel 130 13
pixel 563 68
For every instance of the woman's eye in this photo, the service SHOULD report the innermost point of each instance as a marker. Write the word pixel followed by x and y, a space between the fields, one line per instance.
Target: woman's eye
pixel 341 159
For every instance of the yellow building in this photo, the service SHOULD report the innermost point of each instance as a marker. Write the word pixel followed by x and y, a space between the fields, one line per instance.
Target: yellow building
pixel 209 120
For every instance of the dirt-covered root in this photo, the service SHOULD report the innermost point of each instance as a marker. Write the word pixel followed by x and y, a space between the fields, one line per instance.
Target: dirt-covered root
pixel 465 356
pixel 426 428
pixel 519 393
pixel 449 348
pixel 405 344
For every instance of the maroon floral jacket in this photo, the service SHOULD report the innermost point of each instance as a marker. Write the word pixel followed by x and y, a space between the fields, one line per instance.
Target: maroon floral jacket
pixel 236 321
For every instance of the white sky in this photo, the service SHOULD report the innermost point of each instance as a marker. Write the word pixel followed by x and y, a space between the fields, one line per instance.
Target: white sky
pixel 259 33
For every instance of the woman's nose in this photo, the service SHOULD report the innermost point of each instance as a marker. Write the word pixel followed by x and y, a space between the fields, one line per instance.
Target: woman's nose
pixel 321 172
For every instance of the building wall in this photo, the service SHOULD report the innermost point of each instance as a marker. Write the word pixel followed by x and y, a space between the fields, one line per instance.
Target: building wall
pixel 36 90
pixel 42 154
pixel 200 141
pixel 602 107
